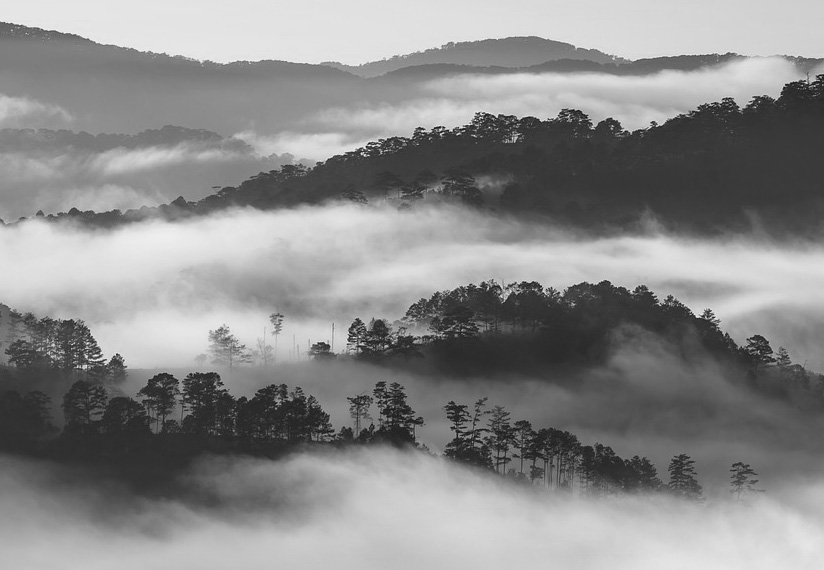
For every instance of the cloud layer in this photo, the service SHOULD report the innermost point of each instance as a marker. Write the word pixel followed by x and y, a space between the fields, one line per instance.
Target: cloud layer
pixel 58 179
pixel 376 509
pixel 151 291
pixel 452 101
pixel 19 111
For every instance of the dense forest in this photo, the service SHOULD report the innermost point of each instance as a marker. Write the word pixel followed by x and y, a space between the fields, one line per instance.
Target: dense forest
pixel 717 168
pixel 144 444
pixel 470 331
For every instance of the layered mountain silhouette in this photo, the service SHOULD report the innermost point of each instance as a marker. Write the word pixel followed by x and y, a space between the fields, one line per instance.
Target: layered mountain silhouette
pixel 104 88
pixel 512 52
pixel 717 168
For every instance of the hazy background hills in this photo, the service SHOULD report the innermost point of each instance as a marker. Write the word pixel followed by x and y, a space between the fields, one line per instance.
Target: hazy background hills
pixel 506 52
pixel 254 110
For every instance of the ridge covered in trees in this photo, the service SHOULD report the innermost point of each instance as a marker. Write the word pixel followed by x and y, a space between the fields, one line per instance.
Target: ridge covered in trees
pixel 488 326
pixel 717 168
pixel 123 432
pixel 487 329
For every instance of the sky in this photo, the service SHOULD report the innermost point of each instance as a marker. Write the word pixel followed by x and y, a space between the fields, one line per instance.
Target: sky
pixel 364 30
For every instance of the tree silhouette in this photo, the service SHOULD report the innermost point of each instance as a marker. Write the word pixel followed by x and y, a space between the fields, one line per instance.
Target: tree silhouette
pixel 759 352
pixel 359 411
pixel 683 482
pixel 321 351
pixel 160 397
pixel 356 338
pixel 202 394
pixel 743 480
pixel 226 349
pixel 83 405
pixel 277 327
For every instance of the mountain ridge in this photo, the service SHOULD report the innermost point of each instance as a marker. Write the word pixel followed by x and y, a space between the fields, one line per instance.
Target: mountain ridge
pixel 514 51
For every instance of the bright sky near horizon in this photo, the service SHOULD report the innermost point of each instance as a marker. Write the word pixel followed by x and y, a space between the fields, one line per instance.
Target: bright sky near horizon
pixel 363 30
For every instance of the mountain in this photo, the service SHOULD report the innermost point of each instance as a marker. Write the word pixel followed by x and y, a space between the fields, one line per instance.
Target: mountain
pixel 511 52
pixel 103 88
pixel 63 81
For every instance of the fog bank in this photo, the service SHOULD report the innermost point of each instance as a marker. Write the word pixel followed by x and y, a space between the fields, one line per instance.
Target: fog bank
pixel 152 291
pixel 377 508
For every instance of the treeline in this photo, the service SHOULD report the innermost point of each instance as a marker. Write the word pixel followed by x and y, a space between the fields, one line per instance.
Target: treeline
pixel 66 346
pixel 713 169
pixel 490 328
pixel 276 419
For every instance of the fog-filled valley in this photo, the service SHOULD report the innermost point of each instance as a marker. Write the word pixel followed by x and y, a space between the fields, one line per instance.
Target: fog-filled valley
pixel 369 509
pixel 142 285
pixel 502 302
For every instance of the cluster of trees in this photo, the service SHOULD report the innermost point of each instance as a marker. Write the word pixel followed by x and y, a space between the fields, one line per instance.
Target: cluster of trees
pixel 205 407
pixel 490 327
pixel 708 169
pixel 555 458
pixel 66 346
pixel 226 350
pixel 484 437
pixel 24 418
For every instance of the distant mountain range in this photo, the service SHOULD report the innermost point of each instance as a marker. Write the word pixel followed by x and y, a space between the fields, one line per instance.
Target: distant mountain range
pixel 512 52
pixel 104 88
pixel 56 88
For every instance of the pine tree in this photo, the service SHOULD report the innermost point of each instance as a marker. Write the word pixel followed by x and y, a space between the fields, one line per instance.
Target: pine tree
pixel 683 482
pixel 359 411
pixel 160 397
pixel 356 339
pixel 743 480
pixel 277 327
pixel 83 405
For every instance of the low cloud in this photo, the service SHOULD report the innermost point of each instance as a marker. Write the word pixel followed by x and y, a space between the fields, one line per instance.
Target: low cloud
pixel 152 291
pixel 452 101
pixel 120 161
pixel 377 508
pixel 59 179
pixel 19 111
pixel 305 145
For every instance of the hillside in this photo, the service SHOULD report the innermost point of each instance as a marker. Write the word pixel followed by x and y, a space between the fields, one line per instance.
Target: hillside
pixel 717 168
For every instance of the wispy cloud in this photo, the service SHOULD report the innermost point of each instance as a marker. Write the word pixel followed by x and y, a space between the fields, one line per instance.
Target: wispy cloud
pixel 17 111
pixel 59 179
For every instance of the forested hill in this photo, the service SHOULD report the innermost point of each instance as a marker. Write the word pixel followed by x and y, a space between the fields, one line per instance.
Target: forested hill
pixel 466 332
pixel 717 168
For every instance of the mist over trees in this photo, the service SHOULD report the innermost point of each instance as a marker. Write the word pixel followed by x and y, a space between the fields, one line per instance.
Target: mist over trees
pixel 123 432
pixel 46 350
pixel 717 168
pixel 490 327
